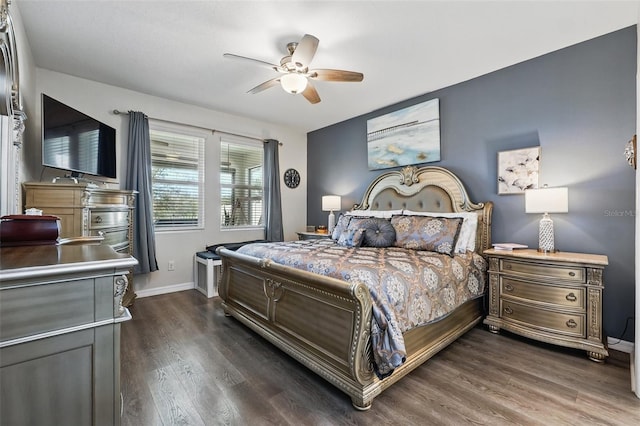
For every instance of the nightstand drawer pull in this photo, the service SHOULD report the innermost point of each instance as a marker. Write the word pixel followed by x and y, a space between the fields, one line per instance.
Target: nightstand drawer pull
pixel 98 219
pixel 571 297
pixel 507 266
pixel 572 274
pixel 571 324
pixel 508 310
pixel 508 287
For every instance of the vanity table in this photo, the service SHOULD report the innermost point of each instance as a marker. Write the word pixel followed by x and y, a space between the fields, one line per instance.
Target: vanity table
pixel 61 310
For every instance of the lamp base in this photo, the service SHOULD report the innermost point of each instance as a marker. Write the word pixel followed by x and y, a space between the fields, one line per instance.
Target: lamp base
pixel 540 250
pixel 545 235
pixel 332 222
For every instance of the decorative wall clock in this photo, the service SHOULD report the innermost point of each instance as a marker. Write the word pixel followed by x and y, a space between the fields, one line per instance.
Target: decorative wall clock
pixel 292 178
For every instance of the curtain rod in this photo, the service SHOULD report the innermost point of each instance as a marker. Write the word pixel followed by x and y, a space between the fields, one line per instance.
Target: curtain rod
pixel 118 112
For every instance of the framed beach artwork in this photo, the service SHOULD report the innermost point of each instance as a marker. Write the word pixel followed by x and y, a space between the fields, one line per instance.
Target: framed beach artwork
pixel 408 136
pixel 518 170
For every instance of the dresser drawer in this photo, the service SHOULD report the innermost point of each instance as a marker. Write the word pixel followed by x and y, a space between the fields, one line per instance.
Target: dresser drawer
pixel 555 322
pixel 566 297
pixel 107 199
pixel 566 273
pixel 116 238
pixel 100 219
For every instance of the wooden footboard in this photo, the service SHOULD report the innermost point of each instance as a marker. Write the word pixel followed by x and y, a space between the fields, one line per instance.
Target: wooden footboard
pixel 324 323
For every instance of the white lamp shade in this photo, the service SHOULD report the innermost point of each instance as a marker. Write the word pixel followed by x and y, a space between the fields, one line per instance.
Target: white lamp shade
pixel 293 83
pixel 331 203
pixel 546 200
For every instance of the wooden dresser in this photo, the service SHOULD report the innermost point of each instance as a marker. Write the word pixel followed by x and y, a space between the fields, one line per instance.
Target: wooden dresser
pixel 87 210
pixel 61 312
pixel 552 297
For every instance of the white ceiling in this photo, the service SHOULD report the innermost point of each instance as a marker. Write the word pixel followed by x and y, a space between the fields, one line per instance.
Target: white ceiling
pixel 173 49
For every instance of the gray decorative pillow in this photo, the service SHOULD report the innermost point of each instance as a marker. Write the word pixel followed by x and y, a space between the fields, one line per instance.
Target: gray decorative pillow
pixel 437 234
pixel 351 237
pixel 378 232
pixel 356 222
pixel 341 225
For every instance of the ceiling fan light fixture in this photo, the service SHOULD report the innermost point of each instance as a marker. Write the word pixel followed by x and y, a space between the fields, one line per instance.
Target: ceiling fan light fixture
pixel 293 83
pixel 295 75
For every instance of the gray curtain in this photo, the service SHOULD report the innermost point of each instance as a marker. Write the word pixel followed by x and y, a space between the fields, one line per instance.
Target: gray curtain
pixel 273 205
pixel 139 179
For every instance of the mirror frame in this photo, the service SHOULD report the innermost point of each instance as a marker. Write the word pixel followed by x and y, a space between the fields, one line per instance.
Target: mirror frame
pixel 10 106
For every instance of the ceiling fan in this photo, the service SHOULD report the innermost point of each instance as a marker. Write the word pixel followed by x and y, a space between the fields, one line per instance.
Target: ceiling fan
pixel 296 76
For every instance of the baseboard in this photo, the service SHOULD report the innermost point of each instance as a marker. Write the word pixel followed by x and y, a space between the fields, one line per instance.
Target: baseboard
pixel 634 385
pixel 620 345
pixel 166 289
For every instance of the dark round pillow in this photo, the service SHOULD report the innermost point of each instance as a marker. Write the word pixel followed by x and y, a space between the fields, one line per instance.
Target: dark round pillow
pixel 378 232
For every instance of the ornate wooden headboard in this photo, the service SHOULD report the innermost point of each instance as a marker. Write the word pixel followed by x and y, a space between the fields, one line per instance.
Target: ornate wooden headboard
pixel 429 189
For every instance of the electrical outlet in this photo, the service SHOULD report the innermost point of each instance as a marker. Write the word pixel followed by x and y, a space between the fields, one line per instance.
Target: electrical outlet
pixel 172 265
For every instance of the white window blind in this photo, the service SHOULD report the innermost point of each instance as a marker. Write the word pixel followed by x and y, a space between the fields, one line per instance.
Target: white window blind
pixel 241 184
pixel 177 164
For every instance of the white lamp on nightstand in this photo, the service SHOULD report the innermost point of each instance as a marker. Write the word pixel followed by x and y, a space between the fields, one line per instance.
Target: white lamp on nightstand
pixel 329 204
pixel 546 200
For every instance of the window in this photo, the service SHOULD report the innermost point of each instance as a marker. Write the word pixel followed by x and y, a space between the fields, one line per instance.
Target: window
pixel 241 184
pixel 177 174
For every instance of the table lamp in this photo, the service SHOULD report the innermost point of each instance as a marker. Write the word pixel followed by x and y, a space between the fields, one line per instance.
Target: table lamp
pixel 329 204
pixel 546 200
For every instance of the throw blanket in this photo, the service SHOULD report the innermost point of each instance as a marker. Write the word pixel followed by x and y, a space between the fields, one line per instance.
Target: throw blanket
pixel 409 288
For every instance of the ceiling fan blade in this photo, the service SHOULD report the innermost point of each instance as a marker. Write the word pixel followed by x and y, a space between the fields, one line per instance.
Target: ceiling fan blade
pixel 335 75
pixel 305 51
pixel 264 86
pixel 254 61
pixel 311 94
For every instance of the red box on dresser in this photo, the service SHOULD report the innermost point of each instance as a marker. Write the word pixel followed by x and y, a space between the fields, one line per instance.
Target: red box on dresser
pixel 23 230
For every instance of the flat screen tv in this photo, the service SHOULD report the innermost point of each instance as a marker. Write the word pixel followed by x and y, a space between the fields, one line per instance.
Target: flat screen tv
pixel 74 142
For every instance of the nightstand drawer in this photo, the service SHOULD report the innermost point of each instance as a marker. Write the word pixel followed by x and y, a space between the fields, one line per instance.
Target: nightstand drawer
pixel 312 235
pixel 568 297
pixel 566 273
pixel 556 322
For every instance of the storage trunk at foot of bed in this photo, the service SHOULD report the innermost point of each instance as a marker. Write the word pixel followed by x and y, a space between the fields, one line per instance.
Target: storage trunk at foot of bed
pixel 324 323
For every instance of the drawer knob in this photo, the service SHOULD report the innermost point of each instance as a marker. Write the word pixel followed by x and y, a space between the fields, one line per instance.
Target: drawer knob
pixel 571 297
pixel 507 266
pixel 508 310
pixel 571 324
pixel 508 287
pixel 98 219
pixel 572 274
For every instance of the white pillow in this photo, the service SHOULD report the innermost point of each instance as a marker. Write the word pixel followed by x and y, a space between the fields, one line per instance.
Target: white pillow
pixel 382 214
pixel 467 237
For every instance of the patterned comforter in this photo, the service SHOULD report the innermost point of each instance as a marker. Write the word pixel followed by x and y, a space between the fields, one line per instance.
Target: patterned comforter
pixel 409 288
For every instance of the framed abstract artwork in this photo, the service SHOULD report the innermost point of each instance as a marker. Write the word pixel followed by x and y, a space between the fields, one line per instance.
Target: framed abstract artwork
pixel 408 136
pixel 518 170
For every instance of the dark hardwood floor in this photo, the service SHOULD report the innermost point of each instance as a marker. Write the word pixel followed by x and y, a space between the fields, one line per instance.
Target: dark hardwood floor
pixel 185 363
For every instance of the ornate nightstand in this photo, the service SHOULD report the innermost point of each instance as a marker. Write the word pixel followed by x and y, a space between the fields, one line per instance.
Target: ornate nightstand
pixel 312 235
pixel 551 297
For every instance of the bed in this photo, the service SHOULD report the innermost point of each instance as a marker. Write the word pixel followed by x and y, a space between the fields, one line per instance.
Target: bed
pixel 325 322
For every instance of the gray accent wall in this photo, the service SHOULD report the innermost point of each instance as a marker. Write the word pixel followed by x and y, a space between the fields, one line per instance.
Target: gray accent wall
pixel 578 104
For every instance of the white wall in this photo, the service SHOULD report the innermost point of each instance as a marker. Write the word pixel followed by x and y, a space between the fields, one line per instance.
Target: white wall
pixel 99 100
